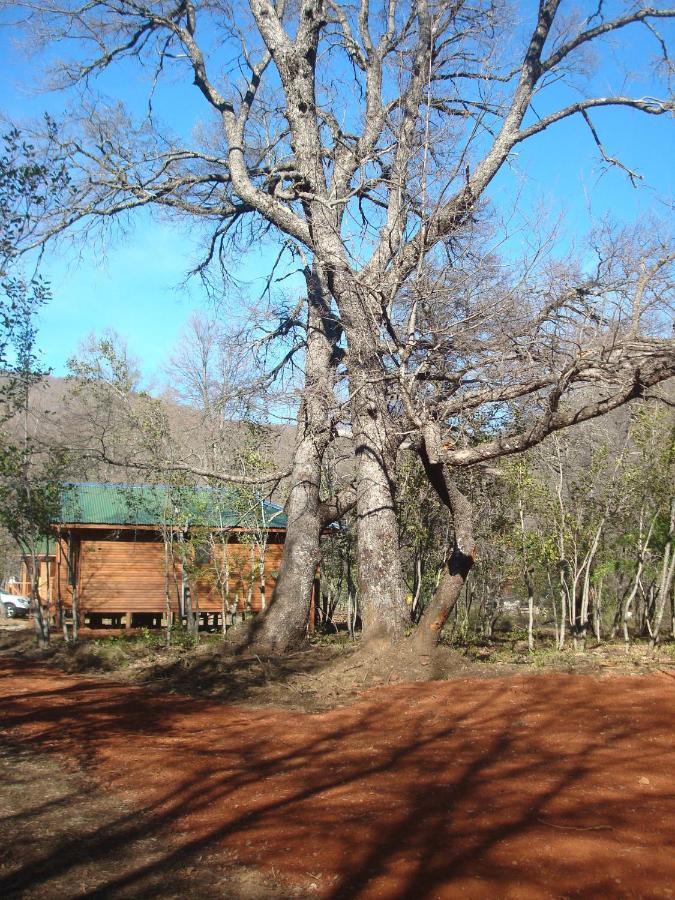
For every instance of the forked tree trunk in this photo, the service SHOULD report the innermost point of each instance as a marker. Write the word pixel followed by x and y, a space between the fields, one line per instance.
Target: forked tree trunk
pixel 463 555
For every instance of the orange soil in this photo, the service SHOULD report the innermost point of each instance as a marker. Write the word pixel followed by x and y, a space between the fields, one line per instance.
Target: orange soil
pixel 518 787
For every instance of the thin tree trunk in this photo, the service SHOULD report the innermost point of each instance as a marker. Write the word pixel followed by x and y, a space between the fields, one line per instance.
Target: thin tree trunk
pixel 462 558
pixel 666 581
pixel 629 600
pixel 597 612
pixel 190 617
pixel 586 585
pixel 75 608
pixel 167 601
pixel 527 579
pixel 59 600
pixel 262 575
pixel 563 609
pixel 225 588
pixel 41 625
pixel 554 607
pixel 572 609
pixel 627 604
pixel 48 584
pixel 251 578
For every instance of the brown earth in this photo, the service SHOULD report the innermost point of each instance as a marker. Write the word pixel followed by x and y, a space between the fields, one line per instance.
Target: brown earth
pixel 516 787
pixel 324 674
pixel 316 678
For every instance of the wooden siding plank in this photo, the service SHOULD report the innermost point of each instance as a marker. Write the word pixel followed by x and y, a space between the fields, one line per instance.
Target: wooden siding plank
pixel 118 574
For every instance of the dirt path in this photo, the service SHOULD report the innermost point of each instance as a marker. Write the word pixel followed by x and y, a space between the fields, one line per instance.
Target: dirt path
pixel 523 787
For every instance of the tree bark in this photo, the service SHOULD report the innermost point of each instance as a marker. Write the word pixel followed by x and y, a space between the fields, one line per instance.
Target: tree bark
pixel 384 612
pixel 39 619
pixel 666 580
pixel 463 555
pixel 284 623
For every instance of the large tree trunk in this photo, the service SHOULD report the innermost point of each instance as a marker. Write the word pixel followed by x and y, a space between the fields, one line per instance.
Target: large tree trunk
pixel 284 623
pixel 384 612
pixel 462 558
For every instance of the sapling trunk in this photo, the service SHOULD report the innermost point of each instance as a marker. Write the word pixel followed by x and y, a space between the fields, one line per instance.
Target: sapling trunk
pixel 167 598
pixel 597 612
pixel 563 610
pixel 76 615
pixel 667 578
pixel 527 579
pixel 41 625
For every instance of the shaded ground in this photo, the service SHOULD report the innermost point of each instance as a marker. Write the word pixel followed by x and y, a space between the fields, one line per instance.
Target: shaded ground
pixel 328 673
pixel 55 820
pixel 316 678
pixel 548 786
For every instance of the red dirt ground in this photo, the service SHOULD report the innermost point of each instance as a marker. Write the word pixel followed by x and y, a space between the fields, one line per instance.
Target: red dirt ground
pixel 519 787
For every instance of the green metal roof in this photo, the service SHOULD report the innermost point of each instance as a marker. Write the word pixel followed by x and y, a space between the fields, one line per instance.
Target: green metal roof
pixel 89 503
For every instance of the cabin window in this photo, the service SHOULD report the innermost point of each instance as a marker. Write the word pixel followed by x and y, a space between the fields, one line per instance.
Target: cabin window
pixel 202 555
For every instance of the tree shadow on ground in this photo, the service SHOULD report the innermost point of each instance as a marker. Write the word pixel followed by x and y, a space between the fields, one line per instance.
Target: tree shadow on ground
pixel 553 785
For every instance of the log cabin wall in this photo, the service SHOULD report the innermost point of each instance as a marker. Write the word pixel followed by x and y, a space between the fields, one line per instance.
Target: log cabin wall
pixel 122 574
pixel 123 571
pixel 244 581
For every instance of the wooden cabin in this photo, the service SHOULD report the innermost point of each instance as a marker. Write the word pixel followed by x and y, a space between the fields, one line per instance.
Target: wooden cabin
pixel 134 555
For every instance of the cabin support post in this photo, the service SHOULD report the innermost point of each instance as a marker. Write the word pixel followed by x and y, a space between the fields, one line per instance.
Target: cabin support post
pixel 127 619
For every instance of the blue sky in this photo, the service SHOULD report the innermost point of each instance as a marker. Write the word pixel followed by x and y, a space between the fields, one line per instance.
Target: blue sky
pixel 137 288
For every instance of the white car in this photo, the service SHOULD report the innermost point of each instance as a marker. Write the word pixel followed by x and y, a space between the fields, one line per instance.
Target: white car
pixel 14 606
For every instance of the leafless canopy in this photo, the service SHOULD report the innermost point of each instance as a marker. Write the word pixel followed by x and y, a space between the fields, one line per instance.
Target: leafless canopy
pixel 366 133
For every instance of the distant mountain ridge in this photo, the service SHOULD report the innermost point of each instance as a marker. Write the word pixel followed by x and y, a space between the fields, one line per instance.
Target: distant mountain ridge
pixel 59 415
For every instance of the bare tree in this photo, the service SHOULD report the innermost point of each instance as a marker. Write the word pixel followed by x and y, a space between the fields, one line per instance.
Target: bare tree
pixel 367 135
pixel 497 367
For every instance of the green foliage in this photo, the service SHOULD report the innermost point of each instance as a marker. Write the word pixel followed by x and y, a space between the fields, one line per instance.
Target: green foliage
pixel 30 474
pixel 125 647
pixel 574 508
pixel 181 638
pixel 424 530
pixel 31 180
pixel 31 493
